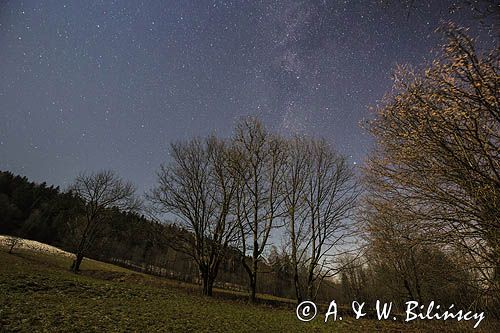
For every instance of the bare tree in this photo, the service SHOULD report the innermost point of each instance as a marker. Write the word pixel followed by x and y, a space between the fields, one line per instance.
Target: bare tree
pixel 296 214
pixel 438 153
pixel 394 243
pixel 198 188
pixel 331 199
pixel 258 167
pixel 12 242
pixel 320 195
pixel 99 192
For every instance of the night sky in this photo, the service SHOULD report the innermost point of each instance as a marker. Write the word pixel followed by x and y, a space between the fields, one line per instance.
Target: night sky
pixel 91 85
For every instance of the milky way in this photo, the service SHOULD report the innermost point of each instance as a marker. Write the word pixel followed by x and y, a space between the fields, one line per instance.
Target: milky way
pixel 89 85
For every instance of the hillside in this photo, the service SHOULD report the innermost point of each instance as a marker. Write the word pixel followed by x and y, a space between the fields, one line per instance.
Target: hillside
pixel 40 294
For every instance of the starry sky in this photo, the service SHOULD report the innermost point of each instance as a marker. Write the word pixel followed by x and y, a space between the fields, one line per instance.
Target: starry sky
pixel 91 85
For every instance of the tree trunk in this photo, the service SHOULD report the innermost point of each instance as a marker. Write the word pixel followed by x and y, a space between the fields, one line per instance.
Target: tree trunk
pixel 310 290
pixel 310 283
pixel 408 289
pixel 253 286
pixel 293 239
pixel 252 278
pixel 207 283
pixel 296 283
pixel 75 267
pixel 207 287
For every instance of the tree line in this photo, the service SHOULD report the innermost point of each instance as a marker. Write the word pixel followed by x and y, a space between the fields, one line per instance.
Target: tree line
pixel 239 193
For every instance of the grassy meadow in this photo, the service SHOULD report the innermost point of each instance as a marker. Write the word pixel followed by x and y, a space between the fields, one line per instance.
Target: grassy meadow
pixel 39 294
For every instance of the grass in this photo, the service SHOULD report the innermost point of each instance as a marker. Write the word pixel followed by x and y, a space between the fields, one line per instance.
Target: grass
pixel 39 294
